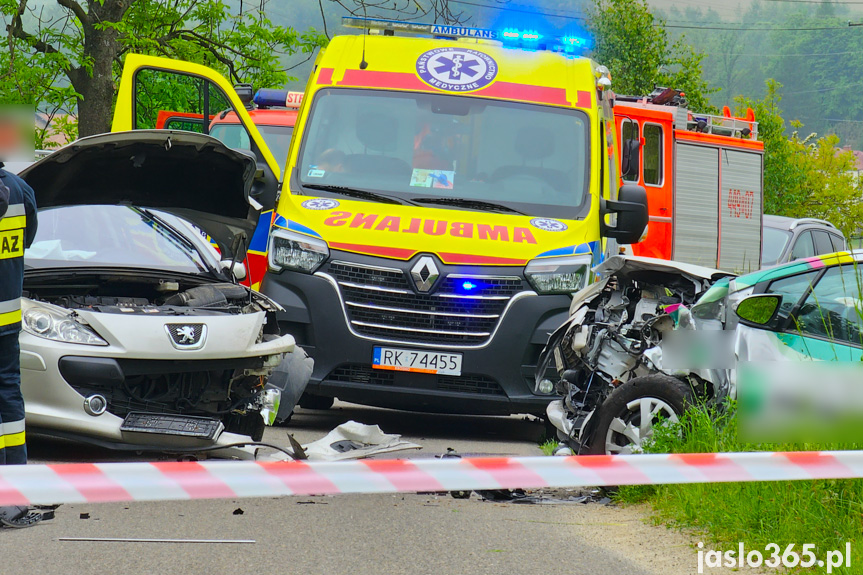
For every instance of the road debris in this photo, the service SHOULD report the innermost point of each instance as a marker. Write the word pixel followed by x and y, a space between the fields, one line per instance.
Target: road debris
pixel 538 497
pixel 21 516
pixel 354 440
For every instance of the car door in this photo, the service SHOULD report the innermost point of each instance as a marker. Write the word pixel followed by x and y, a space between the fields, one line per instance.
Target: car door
pixel 801 379
pixel 827 323
pixel 161 93
pixel 823 245
pixel 838 242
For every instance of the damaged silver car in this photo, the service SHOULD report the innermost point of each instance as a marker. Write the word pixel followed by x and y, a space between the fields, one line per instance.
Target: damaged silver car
pixel 599 361
pixel 136 333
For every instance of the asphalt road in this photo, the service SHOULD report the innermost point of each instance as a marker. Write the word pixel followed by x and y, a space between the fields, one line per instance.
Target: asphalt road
pixel 352 534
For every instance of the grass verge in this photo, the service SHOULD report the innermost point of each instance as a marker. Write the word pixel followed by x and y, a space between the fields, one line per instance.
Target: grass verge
pixel 549 446
pixel 826 513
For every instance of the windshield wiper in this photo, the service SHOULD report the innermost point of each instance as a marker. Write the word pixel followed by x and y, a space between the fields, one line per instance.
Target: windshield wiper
pixel 173 234
pixel 469 204
pixel 359 194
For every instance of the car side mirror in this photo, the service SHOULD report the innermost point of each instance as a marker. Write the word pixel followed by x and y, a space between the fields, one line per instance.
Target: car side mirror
pixel 631 210
pixel 758 310
pixel 238 270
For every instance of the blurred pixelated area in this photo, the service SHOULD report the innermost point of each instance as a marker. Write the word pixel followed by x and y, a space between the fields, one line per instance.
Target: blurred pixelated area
pixel 17 124
pixel 800 402
pixel 690 350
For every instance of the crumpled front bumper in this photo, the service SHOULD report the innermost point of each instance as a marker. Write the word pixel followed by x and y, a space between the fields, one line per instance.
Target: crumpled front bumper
pixel 50 370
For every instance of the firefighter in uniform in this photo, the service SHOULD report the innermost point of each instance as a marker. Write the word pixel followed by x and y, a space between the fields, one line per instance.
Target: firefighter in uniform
pixel 17 229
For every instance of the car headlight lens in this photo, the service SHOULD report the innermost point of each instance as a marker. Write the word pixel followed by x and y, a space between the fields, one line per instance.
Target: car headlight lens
pixel 558 275
pixel 297 252
pixel 56 324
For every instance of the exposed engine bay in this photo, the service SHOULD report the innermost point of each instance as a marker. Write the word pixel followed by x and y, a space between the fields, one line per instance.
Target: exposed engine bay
pixel 160 294
pixel 602 346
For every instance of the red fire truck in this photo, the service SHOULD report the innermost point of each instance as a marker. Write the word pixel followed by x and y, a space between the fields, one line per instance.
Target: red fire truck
pixel 703 176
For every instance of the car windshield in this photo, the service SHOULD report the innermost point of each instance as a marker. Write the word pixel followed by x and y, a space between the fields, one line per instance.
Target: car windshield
pixel 113 236
pixel 277 138
pixel 774 244
pixel 530 158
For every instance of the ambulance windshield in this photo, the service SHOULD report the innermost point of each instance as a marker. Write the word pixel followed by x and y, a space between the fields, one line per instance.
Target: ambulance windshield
pixel 528 157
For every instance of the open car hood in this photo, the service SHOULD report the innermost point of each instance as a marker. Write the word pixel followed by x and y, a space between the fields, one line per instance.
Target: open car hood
pixel 192 176
pixel 643 268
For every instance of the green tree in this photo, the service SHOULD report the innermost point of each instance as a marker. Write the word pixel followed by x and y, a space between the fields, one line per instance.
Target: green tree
pixel 635 47
pixel 67 58
pixel 804 177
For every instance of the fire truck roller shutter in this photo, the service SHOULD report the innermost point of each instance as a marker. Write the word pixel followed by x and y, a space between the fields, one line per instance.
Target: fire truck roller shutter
pixel 696 204
pixel 740 211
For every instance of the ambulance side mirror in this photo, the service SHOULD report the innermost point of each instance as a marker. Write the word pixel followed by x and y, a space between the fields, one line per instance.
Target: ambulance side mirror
pixel 631 211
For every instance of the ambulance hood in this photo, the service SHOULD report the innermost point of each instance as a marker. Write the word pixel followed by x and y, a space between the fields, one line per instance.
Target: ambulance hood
pixel 192 176
pixel 456 236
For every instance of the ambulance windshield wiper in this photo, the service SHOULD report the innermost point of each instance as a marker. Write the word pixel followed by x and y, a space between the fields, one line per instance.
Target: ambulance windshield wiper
pixel 359 194
pixel 469 204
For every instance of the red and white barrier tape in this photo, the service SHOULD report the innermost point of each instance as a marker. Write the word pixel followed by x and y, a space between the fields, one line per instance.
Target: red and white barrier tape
pixel 102 482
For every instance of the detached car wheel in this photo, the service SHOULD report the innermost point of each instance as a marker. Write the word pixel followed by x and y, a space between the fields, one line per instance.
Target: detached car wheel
pixel 631 413
pixel 316 401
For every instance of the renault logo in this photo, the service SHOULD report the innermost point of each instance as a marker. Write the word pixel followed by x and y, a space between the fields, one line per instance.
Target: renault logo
pixel 424 273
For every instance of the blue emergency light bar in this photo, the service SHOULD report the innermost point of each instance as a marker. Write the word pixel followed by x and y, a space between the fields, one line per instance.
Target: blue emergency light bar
pixel 269 97
pixel 515 37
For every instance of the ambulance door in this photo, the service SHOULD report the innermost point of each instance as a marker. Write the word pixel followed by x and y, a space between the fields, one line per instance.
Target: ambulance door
pixel 160 93
pixel 152 88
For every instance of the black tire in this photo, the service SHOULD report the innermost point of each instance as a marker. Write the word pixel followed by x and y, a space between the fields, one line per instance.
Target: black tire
pixel 668 392
pixel 316 401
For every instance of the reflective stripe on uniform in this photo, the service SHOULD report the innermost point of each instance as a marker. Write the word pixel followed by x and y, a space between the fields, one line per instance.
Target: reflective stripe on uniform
pixel 14 218
pixel 12 434
pixel 12 427
pixel 14 210
pixel 10 318
pixel 13 440
pixel 10 312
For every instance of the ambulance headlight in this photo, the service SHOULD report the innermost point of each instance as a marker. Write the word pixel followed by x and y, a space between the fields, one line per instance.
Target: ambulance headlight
pixel 558 275
pixel 292 251
pixel 56 323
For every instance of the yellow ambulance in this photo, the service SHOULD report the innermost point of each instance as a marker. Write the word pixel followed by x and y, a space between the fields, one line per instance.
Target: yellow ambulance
pixel 447 189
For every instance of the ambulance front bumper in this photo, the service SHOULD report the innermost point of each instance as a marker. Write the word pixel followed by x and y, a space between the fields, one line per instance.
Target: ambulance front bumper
pixel 497 370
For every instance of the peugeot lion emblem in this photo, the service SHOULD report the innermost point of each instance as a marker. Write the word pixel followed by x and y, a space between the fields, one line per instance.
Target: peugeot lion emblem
pixel 424 274
pixel 187 336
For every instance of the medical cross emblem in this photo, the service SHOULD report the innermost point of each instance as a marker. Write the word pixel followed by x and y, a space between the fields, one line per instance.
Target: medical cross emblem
pixel 456 69
pixel 456 66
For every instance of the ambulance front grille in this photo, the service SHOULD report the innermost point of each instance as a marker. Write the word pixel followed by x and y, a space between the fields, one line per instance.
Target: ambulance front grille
pixel 380 303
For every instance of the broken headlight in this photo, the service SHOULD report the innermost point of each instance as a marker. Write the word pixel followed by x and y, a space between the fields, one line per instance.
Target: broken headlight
pixel 289 250
pixel 562 275
pixel 55 323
